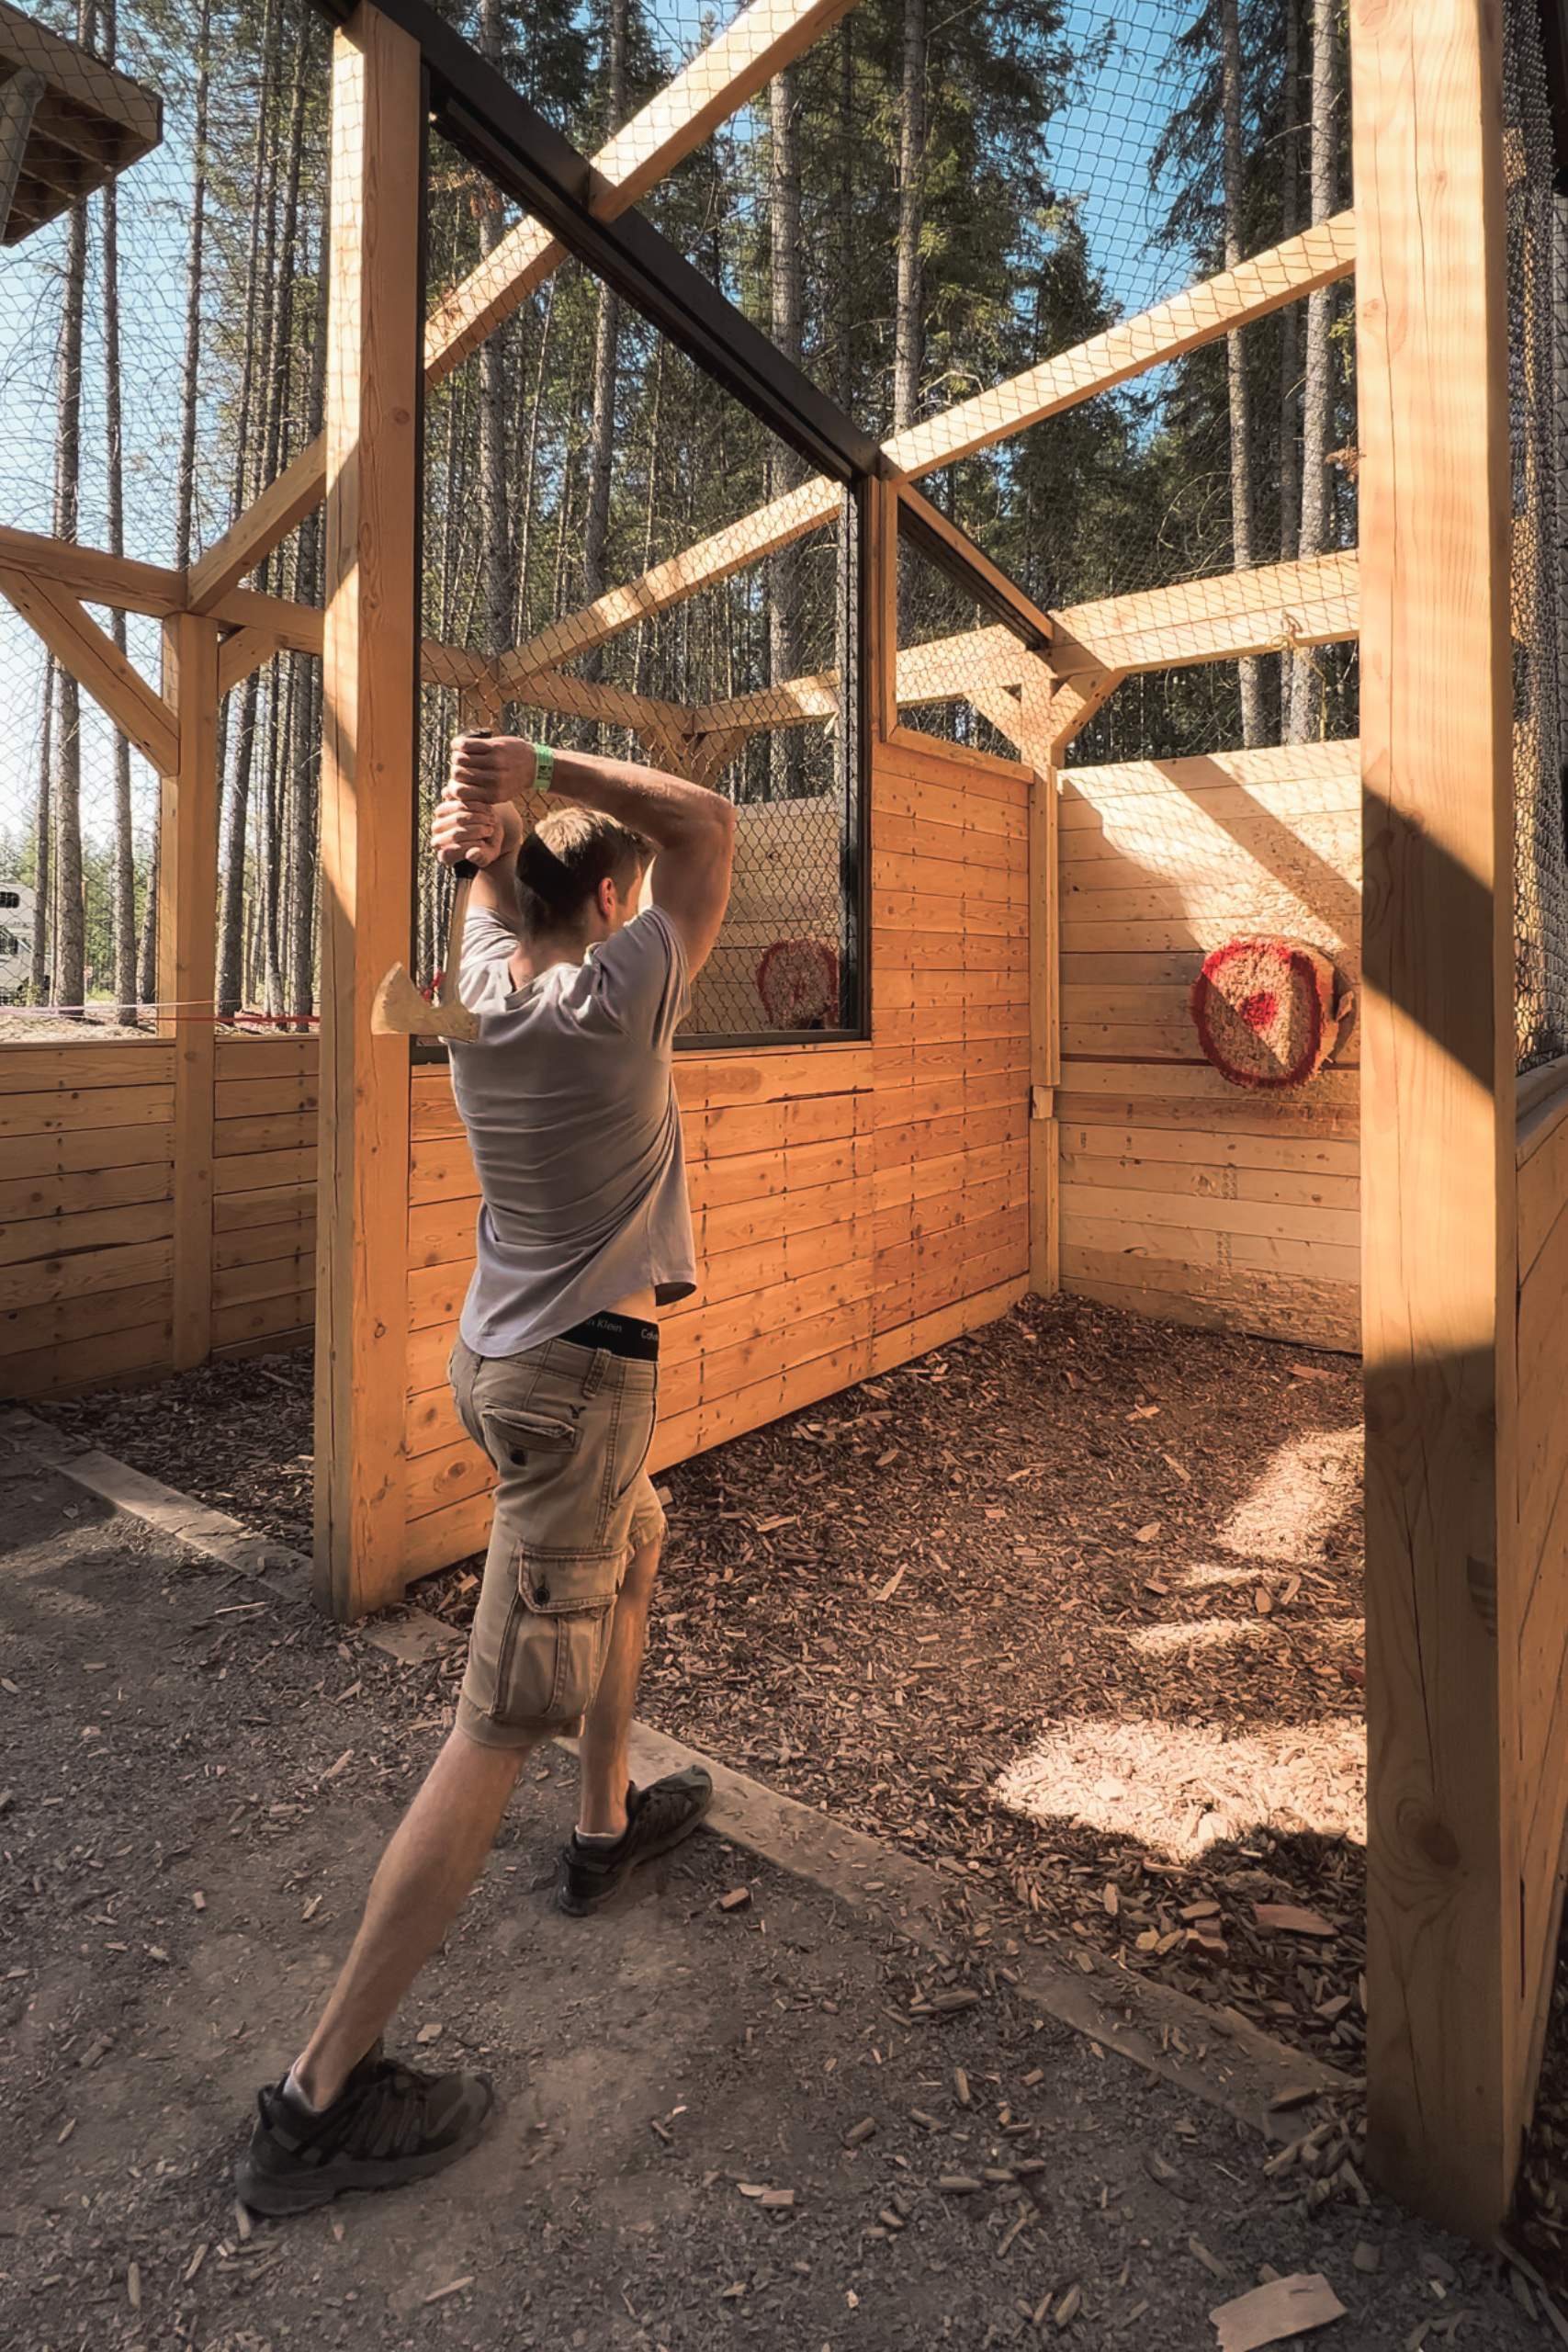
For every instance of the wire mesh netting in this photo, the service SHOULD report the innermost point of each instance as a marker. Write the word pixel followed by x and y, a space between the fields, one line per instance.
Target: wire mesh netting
pixel 161 350
pixel 621 559
pixel 1537 400
pixel 925 207
pixel 918 208
pixel 958 667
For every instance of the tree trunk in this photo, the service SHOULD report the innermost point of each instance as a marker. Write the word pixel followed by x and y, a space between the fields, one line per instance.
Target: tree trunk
pixel 909 324
pixel 69 980
pixel 277 394
pixel 1305 694
pixel 1290 473
pixel 302 849
pixel 123 868
pixel 40 972
pixel 785 748
pixel 236 812
pixel 495 524
pixel 522 607
pixel 606 369
pixel 1242 542
pixel 185 508
pixel 848 272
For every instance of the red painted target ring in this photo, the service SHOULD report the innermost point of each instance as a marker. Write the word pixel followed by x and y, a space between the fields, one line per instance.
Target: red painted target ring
pixel 1267 1011
pixel 797 980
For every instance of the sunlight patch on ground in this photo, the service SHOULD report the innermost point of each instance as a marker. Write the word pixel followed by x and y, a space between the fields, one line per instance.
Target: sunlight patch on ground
pixel 1178 1788
pixel 1306 1489
pixel 1188 1640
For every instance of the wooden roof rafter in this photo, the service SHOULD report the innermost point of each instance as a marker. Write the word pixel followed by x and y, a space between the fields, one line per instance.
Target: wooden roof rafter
pixel 1285 274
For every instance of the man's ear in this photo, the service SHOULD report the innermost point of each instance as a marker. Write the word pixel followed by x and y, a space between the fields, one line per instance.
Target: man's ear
pixel 605 897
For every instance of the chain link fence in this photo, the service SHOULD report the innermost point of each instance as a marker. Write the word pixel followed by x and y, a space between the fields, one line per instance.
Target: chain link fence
pixel 161 361
pixel 1537 406
pixel 620 558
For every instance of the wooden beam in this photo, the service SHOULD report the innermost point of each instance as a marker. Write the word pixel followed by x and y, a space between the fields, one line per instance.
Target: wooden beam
pixel 240 653
pixel 92 577
pixel 97 663
pixel 187 964
pixel 1445 2060
pixel 1287 272
pixel 1312 603
pixel 283 506
pixel 945 669
pixel 670 583
pixel 879 650
pixel 19 105
pixel 298 627
pixel 1035 741
pixel 1074 703
pixel 794 702
pixel 88 573
pixel 714 85
pixel 370 654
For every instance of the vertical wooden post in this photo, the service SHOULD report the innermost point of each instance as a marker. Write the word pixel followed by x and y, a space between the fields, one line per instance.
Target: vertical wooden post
pixel 188 964
pixel 1436 1050
pixel 1044 1024
pixel 879 654
pixel 371 668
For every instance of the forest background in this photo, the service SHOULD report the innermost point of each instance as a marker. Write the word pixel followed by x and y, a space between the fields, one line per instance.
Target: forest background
pixel 931 200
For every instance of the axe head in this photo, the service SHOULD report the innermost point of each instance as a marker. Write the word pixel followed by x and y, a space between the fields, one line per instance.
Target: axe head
pixel 400 1011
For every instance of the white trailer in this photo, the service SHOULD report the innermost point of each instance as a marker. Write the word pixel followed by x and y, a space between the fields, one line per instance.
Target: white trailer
pixel 19 906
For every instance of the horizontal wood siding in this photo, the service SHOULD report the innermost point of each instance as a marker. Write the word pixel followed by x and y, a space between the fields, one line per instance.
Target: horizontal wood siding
pixel 86 1207
pixel 853 1204
pixel 264 1102
pixel 1180 1195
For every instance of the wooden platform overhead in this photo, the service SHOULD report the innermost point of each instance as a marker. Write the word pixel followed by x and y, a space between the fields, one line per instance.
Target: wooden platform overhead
pixel 68 124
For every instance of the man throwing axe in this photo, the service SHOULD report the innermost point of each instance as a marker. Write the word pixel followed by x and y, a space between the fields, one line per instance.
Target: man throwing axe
pixel 569 1098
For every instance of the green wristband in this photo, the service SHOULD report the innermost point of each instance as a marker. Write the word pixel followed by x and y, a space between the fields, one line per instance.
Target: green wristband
pixel 544 766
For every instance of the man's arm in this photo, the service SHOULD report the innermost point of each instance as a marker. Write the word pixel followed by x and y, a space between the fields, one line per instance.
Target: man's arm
pixel 693 829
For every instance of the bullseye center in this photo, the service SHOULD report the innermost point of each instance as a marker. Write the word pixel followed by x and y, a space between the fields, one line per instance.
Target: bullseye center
pixel 1260 1008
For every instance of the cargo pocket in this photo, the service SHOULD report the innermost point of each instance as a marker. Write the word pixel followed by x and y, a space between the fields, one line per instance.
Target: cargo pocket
pixel 557 1636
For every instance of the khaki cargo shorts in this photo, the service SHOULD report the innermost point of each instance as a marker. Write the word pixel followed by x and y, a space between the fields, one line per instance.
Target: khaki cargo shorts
pixel 569 1430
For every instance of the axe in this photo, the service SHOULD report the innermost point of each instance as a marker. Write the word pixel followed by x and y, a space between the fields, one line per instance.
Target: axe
pixel 398 1009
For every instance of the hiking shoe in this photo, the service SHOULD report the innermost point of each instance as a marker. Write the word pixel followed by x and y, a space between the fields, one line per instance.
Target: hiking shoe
pixel 657 1818
pixel 387 2125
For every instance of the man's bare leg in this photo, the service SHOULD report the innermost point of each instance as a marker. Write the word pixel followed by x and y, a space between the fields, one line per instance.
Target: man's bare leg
pixel 437 1852
pixel 605 1750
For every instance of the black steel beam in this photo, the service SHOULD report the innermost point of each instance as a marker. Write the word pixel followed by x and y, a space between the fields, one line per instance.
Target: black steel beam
pixel 1555 48
pixel 474 107
pixel 955 553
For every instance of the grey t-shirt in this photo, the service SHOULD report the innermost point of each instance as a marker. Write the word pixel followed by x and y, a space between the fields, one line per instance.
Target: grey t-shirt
pixel 568 1098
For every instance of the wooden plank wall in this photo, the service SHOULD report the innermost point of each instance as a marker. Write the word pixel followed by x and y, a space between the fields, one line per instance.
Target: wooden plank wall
pixel 1540 1743
pixel 854 1204
pixel 87 1215
pixel 1182 1196
pixel 263 1195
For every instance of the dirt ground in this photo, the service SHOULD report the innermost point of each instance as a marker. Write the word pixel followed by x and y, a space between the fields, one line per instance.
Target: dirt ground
pixel 1094 1583
pixel 1070 1610
pixel 198 1774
